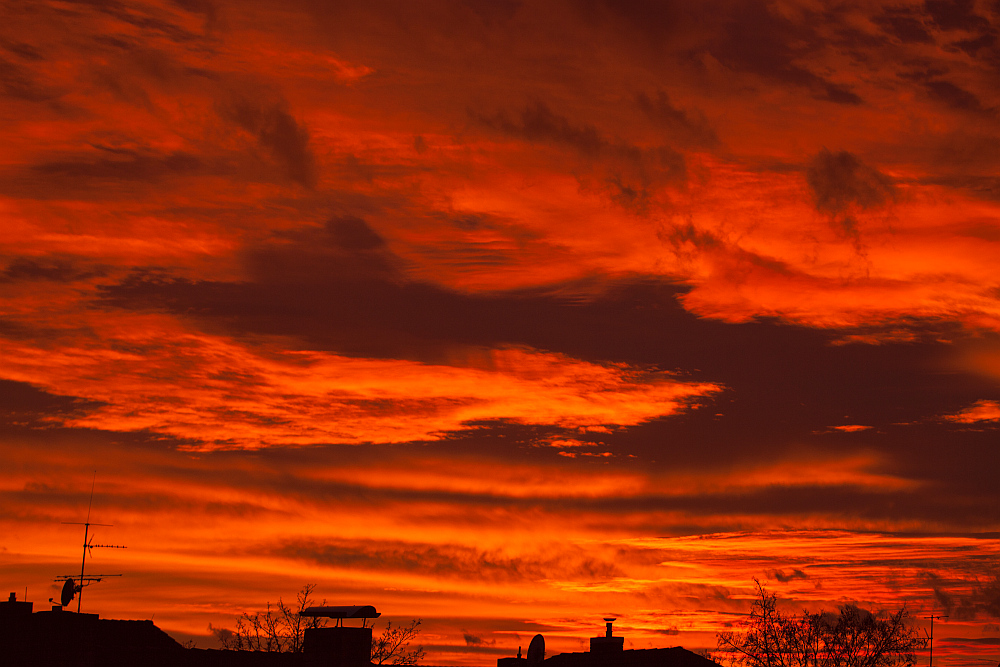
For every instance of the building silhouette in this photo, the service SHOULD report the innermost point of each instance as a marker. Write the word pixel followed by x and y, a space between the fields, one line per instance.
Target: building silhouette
pixel 609 651
pixel 60 638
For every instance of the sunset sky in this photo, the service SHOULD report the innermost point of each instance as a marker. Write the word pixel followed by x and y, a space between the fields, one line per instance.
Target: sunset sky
pixel 504 315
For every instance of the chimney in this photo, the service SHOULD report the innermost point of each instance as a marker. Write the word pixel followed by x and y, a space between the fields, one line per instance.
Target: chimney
pixel 607 645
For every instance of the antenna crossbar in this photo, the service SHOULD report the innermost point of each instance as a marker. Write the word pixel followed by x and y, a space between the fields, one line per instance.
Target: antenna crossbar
pixel 85 523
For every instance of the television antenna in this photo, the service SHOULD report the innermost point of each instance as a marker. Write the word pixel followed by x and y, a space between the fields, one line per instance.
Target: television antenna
pixel 74 587
pixel 932 617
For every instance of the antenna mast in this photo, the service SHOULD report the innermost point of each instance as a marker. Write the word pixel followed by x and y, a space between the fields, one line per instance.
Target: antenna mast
pixel 932 617
pixel 88 544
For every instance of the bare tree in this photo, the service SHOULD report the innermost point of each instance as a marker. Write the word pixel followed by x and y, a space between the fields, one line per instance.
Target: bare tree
pixel 279 630
pixel 769 638
pixel 854 637
pixel 392 647
pixel 858 638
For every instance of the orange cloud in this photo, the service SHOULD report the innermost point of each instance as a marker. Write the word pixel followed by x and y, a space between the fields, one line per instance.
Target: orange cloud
pixel 980 411
pixel 222 394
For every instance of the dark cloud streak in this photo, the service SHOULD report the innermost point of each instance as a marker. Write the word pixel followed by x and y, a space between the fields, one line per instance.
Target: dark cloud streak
pixel 840 180
pixel 687 127
pixel 23 405
pixel 448 561
pixel 755 39
pixel 276 130
pixel 631 173
pixel 50 268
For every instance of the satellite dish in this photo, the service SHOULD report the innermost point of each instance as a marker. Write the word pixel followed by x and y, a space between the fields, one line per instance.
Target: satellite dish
pixel 68 591
pixel 536 650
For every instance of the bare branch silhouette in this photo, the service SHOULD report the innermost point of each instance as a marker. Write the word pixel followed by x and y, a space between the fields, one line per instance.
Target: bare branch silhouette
pixel 392 647
pixel 278 630
pixel 854 637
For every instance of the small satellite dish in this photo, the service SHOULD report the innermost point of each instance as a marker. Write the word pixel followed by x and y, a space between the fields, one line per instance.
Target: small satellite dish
pixel 68 592
pixel 536 650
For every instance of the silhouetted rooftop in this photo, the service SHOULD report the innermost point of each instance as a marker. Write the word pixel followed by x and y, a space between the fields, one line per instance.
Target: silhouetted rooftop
pixel 650 657
pixel 61 638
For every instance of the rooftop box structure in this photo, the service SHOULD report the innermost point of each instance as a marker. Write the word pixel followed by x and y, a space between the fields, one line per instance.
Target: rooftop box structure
pixel 338 647
pixel 607 645
pixel 15 607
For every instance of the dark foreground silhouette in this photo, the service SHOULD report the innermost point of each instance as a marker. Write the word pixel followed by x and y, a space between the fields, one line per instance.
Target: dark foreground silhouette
pixel 607 651
pixel 60 638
